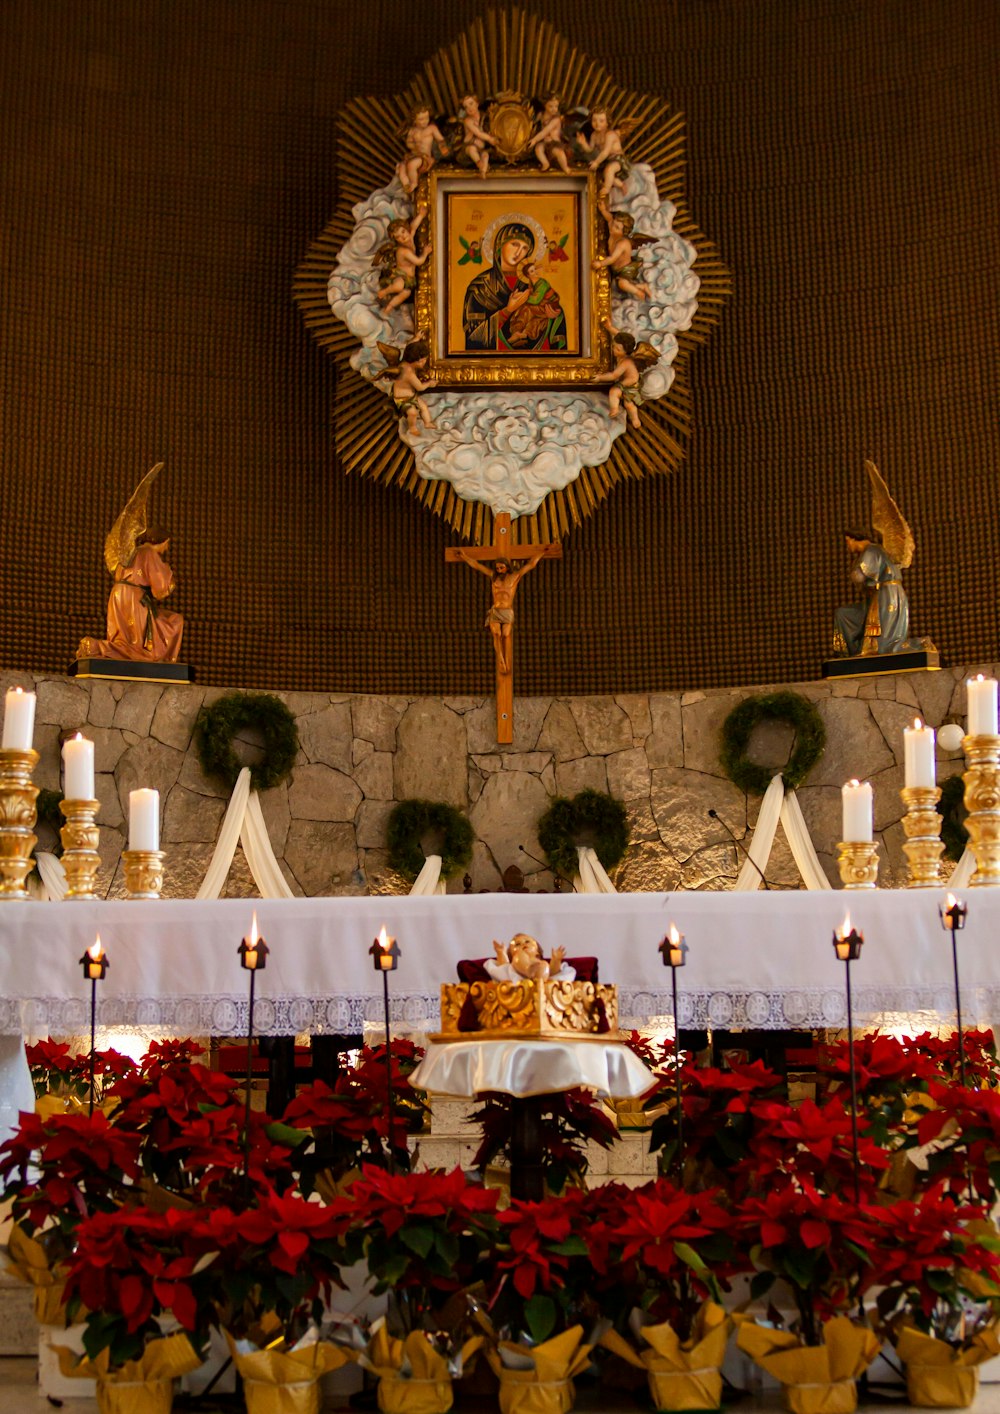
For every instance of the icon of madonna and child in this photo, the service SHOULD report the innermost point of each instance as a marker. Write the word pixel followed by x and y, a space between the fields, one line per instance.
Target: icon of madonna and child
pixel 511 307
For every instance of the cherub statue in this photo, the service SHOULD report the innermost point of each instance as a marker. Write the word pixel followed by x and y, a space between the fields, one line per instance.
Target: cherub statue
pixel 522 958
pixel 633 358
pixel 139 631
pixel 880 623
pixel 398 261
pixel 474 137
pixel 605 150
pixel 548 144
pixel 425 143
pixel 621 259
pixel 406 369
pixel 503 583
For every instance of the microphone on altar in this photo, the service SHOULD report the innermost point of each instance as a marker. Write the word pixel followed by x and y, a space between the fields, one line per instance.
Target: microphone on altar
pixel 560 878
pixel 739 845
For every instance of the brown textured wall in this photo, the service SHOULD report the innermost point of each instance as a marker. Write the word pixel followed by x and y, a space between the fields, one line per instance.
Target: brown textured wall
pixel 166 165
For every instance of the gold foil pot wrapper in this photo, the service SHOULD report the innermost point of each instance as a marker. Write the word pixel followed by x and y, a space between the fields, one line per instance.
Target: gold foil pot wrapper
pixel 943 1376
pixel 413 1377
pixel 144 1386
pixel 278 1380
pixel 683 1374
pixel 28 1261
pixel 539 1379
pixel 815 1379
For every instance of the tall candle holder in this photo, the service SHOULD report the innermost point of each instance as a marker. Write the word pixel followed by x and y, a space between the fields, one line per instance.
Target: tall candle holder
pixel 847 943
pixel 857 861
pixel 80 837
pixel 982 801
pixel 143 872
pixel 95 966
pixel 253 951
pixel 385 955
pixel 17 819
pixel 674 951
pixel 922 827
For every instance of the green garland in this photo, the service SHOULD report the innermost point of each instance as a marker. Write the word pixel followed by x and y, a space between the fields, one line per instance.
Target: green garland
pixel 219 724
pixel 413 820
pixel 590 818
pixel 952 808
pixel 737 729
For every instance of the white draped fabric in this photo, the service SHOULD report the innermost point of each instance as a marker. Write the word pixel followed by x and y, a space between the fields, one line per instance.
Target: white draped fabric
pixel 53 877
pixel 467 1068
pixel 963 870
pixel 592 877
pixel 244 824
pixel 776 806
pixel 429 880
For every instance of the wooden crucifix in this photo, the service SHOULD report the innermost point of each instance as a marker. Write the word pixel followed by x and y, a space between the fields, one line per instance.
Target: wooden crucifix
pixel 500 616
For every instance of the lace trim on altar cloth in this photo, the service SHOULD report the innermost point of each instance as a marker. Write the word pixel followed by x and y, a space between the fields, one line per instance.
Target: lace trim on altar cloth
pixel 896 1008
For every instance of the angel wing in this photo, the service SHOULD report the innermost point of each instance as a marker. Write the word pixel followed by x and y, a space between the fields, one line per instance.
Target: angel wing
pixel 119 547
pixel 888 521
pixel 638 240
pixel 644 356
pixel 385 254
pixel 391 355
pixel 625 128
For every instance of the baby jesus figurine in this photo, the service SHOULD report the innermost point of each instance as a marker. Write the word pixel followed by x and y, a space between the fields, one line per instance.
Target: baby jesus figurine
pixel 522 958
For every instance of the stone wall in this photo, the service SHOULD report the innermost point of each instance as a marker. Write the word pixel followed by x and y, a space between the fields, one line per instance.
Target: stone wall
pixel 656 752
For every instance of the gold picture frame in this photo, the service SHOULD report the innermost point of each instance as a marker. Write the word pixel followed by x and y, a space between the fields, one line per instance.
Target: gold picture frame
pixel 556 339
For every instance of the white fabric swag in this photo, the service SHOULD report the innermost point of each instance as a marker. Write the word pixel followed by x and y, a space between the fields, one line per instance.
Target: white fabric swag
pixel 776 806
pixel 244 824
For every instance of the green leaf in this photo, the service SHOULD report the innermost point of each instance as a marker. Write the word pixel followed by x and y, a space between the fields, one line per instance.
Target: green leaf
pixel 569 1247
pixel 760 1283
pixel 418 1239
pixel 690 1257
pixel 540 1317
pixel 285 1134
pixel 799 1269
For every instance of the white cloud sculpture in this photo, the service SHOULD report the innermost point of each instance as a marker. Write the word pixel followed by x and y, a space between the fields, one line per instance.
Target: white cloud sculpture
pixel 511 449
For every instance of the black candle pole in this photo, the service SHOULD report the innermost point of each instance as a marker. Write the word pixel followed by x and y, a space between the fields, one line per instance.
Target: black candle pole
pixel 253 953
pixel 385 956
pixel 953 915
pixel 95 965
pixel 847 943
pixel 674 950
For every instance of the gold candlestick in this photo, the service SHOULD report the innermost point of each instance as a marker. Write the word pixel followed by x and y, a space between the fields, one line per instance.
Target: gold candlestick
pixel 17 819
pixel 982 801
pixel 857 861
pixel 922 828
pixel 143 872
pixel 80 836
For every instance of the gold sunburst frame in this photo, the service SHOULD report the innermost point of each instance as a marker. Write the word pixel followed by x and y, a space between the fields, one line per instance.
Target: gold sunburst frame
pixel 503 51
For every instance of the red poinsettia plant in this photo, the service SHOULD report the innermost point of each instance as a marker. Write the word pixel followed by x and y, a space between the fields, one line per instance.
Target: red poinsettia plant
pixel 810 1143
pixel 569 1120
pixel 65 1074
pixel 962 1138
pixel 423 1236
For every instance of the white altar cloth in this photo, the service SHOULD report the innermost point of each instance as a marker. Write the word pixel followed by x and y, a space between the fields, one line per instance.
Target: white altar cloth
pixel 531 1067
pixel 762 960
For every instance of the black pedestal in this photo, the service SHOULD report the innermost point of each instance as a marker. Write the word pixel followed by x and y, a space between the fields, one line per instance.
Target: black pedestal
pixel 527 1172
pixel 115 671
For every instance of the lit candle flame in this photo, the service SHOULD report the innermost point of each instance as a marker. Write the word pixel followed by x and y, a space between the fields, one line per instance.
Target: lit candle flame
pixel 845 927
pixel 950 901
pixel 675 936
pixel 95 951
pixel 254 935
pixel 917 724
pixel 383 939
pixel 854 783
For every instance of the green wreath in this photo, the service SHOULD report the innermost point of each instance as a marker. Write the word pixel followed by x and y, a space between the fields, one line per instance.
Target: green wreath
pixel 590 818
pixel 737 729
pixel 414 820
pixel 218 725
pixel 952 809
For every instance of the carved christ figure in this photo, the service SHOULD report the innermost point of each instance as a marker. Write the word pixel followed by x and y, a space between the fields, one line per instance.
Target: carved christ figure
pixel 503 584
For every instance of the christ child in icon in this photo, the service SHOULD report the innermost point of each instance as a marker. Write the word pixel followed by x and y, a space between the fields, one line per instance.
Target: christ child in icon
pixel 622 258
pixel 547 144
pixel 475 138
pixel 422 137
pixel 632 360
pixel 406 370
pixel 399 261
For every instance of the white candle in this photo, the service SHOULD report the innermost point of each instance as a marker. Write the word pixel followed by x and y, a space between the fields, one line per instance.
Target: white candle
pixel 982 697
pixel 144 819
pixel 18 719
pixel 78 768
pixel 857 802
pixel 918 748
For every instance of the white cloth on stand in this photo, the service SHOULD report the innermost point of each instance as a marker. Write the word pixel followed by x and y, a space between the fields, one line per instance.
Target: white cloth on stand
pixel 429 880
pixel 776 806
pixel 244 821
pixel 529 1067
pixel 592 877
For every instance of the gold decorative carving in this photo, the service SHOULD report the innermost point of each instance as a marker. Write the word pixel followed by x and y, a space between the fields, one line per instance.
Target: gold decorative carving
pixel 511 122
pixel 80 837
pixel 857 861
pixel 530 1008
pixel 922 828
pixel 982 801
pixel 502 53
pixel 17 820
pixel 143 872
